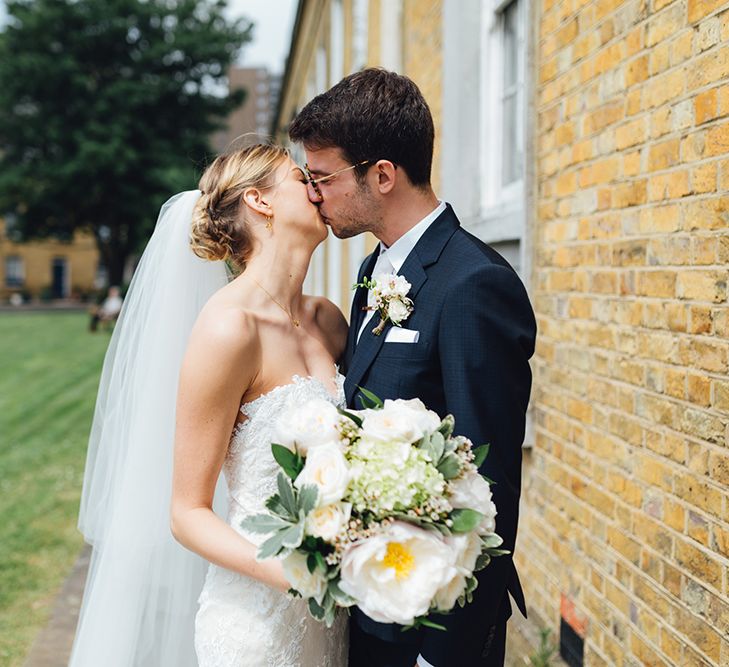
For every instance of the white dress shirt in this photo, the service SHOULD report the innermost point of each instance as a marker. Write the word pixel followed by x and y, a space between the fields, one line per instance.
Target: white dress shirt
pixel 391 259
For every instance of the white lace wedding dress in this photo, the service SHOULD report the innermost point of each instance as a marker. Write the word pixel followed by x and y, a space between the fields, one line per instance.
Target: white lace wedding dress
pixel 241 622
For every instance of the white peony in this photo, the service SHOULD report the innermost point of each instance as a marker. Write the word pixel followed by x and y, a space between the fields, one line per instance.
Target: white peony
pixel 310 585
pixel 327 522
pixel 473 492
pixel 327 469
pixel 467 548
pixel 308 425
pixel 397 311
pixel 447 595
pixel 400 421
pixel 394 575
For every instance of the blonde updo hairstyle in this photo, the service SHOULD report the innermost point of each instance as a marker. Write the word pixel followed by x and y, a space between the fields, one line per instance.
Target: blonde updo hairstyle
pixel 219 231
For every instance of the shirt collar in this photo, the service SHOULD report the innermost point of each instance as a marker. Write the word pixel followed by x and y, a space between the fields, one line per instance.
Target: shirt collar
pixel 398 252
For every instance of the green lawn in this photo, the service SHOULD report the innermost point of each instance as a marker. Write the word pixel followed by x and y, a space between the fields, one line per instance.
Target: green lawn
pixel 49 371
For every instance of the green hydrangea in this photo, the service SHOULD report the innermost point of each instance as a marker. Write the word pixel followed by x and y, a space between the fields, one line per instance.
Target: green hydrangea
pixel 391 477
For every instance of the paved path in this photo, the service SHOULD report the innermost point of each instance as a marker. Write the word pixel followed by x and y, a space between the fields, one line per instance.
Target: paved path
pixel 52 647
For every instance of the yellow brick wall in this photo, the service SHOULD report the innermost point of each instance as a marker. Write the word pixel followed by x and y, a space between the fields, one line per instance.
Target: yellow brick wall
pixel 626 511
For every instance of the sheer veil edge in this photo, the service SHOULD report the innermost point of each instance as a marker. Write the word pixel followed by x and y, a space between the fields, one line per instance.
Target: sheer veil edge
pixel 141 592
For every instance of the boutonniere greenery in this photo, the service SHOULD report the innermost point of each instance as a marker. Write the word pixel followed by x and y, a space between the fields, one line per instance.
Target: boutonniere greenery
pixel 390 300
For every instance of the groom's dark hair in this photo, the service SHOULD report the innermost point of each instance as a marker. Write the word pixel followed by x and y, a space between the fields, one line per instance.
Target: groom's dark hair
pixel 371 115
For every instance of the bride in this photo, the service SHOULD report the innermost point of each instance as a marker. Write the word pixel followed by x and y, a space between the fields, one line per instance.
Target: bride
pixel 236 353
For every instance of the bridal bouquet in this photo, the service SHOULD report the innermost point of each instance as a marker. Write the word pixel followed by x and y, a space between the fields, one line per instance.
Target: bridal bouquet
pixel 383 508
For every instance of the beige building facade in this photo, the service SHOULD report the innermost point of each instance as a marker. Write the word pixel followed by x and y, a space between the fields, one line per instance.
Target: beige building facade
pixel 587 141
pixel 50 269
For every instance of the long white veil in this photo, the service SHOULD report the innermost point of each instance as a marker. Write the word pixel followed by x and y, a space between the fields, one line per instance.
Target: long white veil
pixel 142 587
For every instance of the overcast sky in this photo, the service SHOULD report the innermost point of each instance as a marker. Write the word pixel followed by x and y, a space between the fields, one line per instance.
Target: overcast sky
pixel 274 21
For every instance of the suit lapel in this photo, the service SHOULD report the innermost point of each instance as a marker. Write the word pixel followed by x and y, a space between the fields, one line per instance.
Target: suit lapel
pixel 426 252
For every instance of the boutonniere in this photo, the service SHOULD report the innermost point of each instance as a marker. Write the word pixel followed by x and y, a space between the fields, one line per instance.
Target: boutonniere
pixel 389 292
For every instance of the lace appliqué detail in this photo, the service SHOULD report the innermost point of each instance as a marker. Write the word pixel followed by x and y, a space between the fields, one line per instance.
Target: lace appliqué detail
pixel 242 622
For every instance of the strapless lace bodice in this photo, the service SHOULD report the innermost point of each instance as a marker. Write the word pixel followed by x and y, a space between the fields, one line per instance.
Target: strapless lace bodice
pixel 241 622
pixel 249 467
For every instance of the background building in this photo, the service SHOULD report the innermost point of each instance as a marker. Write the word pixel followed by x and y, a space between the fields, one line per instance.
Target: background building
pixel 50 268
pixel 588 141
pixel 256 113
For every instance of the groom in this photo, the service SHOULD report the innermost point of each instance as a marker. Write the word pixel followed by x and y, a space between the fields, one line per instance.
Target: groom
pixel 464 350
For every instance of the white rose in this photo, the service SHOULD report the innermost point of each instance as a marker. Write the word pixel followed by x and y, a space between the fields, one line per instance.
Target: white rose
pixel 308 425
pixel 327 521
pixel 473 492
pixel 400 286
pixel 427 420
pixel 308 584
pixel 327 469
pixel 382 281
pixel 467 548
pixel 397 311
pixel 391 285
pixel 399 420
pixel 394 575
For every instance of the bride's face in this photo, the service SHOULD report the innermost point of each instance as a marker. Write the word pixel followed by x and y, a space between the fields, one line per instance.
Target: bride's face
pixel 292 208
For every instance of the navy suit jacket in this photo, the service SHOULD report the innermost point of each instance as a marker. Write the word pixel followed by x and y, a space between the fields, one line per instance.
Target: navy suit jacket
pixel 477 333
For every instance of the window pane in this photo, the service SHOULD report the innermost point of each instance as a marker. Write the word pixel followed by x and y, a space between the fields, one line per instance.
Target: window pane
pixel 360 11
pixel 511 162
pixel 511 148
pixel 511 44
pixel 14 271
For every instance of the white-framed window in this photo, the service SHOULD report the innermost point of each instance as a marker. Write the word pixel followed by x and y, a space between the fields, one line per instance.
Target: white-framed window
pixel 336 42
pixel 503 122
pixel 320 72
pixel 512 93
pixel 356 246
pixel 391 35
pixel 318 267
pixel 14 271
pixel 336 73
pixel 360 33
pixel 484 120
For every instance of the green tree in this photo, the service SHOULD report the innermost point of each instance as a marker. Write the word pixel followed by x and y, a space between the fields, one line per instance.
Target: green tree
pixel 106 109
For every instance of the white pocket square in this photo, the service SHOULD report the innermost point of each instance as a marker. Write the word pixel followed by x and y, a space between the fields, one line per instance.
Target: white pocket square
pixel 399 335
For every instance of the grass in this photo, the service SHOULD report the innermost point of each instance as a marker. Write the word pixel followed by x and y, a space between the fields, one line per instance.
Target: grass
pixel 49 372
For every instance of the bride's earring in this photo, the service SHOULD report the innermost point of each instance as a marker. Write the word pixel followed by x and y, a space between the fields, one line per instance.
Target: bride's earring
pixel 269 222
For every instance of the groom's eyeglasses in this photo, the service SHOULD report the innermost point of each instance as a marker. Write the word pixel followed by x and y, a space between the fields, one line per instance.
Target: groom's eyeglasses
pixel 315 181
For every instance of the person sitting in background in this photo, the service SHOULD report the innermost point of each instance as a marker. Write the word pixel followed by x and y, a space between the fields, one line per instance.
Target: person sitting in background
pixel 108 311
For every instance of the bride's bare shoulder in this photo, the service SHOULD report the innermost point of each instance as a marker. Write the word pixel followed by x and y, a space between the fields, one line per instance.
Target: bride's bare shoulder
pixel 226 328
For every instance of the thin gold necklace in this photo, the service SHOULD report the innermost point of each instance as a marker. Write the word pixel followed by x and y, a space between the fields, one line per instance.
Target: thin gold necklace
pixel 294 321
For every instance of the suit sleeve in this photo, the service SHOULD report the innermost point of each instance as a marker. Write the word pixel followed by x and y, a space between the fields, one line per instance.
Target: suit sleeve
pixel 486 337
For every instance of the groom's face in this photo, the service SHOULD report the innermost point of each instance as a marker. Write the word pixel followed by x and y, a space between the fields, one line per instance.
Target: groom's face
pixel 346 205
